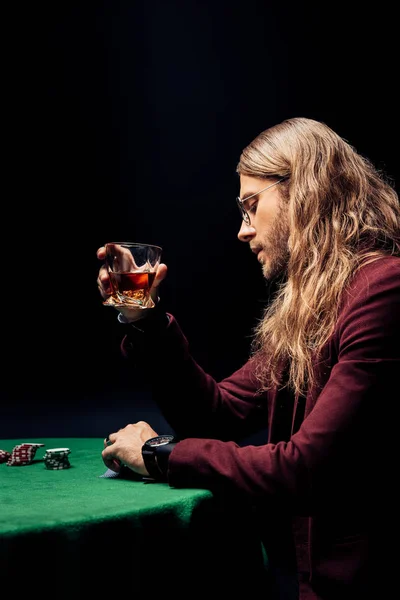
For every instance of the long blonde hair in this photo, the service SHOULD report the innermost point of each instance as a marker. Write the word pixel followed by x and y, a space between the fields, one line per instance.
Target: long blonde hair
pixel 342 213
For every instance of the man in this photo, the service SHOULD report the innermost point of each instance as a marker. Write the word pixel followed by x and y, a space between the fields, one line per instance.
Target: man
pixel 325 224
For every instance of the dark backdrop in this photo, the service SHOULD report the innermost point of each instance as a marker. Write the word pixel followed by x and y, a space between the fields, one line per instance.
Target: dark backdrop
pixel 126 120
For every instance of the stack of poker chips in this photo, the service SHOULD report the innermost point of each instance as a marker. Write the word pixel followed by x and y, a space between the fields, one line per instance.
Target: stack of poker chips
pixel 57 458
pixel 4 456
pixel 23 454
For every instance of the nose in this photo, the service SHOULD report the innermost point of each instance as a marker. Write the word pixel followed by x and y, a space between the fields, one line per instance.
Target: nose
pixel 246 232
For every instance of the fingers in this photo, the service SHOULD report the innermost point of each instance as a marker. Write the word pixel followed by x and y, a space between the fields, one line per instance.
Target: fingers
pixel 113 464
pixel 160 276
pixel 103 279
pixel 109 460
pixel 101 252
pixel 124 448
pixel 108 441
pixel 103 282
pixel 119 258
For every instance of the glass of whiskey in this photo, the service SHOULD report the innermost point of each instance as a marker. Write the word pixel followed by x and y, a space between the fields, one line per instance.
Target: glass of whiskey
pixel 132 267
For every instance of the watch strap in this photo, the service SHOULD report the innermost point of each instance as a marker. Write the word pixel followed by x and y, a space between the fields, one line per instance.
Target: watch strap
pixel 162 457
pixel 156 459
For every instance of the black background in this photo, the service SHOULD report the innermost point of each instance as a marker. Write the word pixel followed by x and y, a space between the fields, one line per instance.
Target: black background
pixel 126 120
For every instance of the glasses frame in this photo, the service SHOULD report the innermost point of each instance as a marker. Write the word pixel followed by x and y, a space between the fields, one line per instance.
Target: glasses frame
pixel 245 215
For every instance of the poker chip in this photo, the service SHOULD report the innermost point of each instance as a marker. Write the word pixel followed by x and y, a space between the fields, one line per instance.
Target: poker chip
pixel 56 459
pixel 22 454
pixel 4 456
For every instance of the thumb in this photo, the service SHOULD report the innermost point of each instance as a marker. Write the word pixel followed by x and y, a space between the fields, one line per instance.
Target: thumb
pixel 160 276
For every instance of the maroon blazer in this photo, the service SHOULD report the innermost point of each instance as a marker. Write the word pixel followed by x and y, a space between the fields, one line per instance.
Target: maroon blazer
pixel 319 477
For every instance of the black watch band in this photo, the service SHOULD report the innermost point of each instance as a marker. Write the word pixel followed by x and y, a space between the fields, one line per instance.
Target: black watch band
pixel 155 453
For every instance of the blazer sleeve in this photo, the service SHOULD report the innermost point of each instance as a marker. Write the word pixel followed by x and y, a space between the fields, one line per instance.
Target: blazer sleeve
pixel 331 454
pixel 191 400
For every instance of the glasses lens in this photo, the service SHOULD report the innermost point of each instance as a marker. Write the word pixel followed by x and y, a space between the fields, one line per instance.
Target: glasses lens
pixel 243 211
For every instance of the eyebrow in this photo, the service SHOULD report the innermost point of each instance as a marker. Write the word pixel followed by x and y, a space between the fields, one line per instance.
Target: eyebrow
pixel 253 194
pixel 249 195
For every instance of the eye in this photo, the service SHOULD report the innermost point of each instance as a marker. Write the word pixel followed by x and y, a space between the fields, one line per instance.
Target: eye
pixel 253 207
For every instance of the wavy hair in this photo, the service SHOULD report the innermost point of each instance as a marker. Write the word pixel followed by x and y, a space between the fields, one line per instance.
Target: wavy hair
pixel 342 213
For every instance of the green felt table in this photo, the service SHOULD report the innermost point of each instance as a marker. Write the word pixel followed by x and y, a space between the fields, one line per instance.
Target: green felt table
pixel 62 531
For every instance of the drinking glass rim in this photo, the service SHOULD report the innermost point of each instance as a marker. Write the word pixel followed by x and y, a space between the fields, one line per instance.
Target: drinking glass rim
pixel 135 244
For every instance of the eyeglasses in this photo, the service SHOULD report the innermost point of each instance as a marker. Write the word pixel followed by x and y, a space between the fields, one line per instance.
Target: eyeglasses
pixel 240 202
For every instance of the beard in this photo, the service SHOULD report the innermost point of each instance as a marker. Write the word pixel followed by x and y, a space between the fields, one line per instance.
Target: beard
pixel 275 246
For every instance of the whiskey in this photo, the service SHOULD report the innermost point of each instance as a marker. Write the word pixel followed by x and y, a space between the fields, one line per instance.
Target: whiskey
pixel 131 288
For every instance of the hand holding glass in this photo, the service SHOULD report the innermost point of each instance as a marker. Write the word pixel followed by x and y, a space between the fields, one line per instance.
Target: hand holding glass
pixel 132 269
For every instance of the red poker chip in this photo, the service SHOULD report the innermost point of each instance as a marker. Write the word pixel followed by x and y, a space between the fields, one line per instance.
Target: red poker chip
pixel 4 456
pixel 21 454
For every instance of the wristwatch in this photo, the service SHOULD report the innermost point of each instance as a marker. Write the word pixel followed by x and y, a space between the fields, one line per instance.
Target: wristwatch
pixel 155 453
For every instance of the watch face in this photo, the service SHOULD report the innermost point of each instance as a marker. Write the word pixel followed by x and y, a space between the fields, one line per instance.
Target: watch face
pixel 160 440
